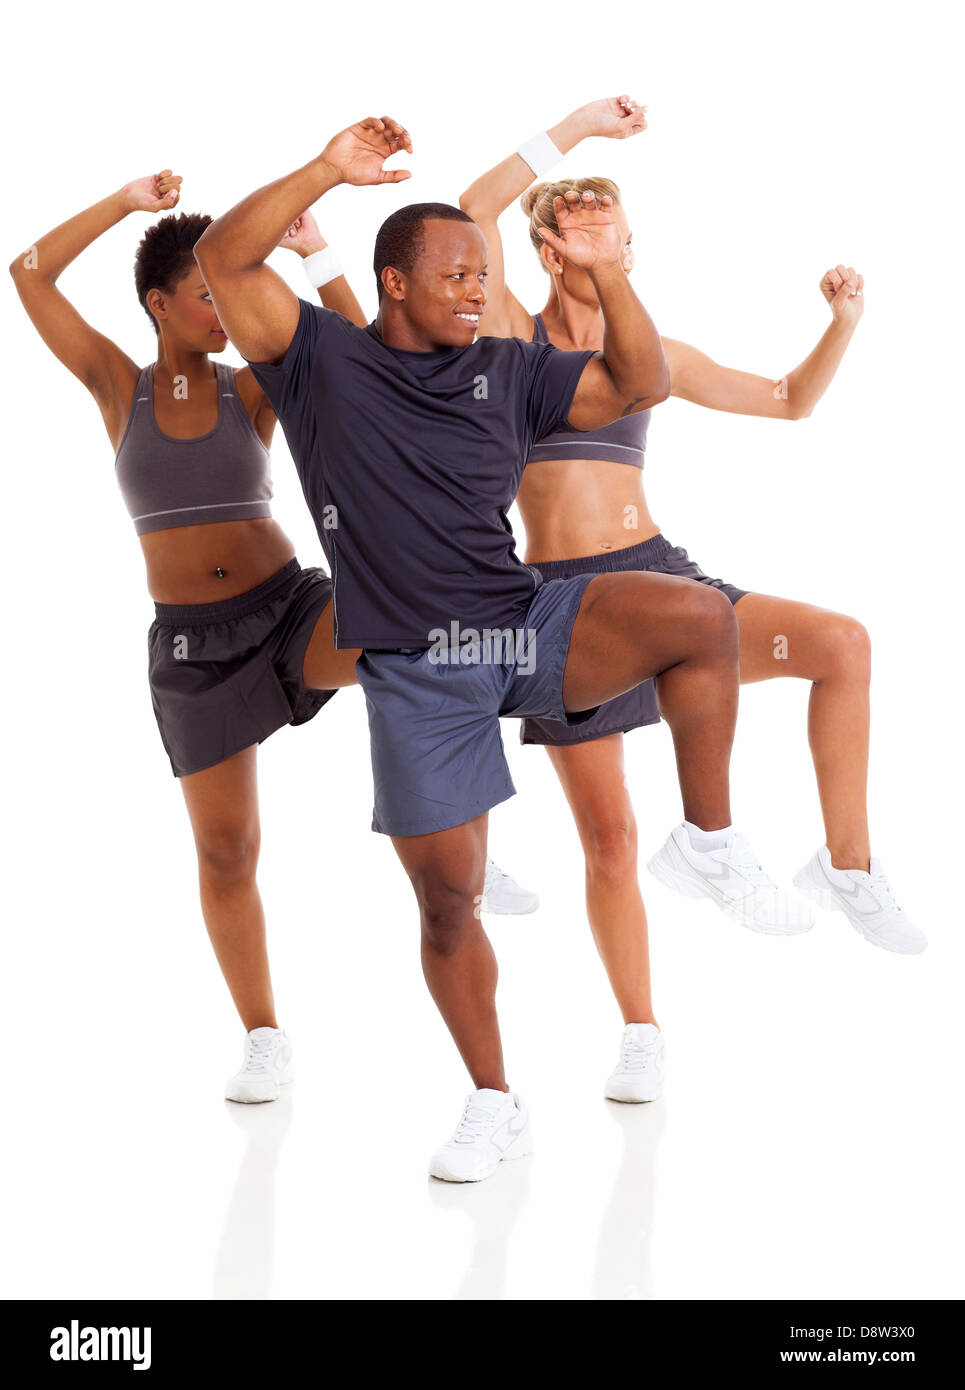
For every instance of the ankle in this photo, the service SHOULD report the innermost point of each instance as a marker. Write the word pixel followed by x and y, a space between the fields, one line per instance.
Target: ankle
pixel 844 856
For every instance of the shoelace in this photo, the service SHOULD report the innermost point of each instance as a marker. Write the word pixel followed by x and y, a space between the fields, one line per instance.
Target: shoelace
pixel 637 1056
pixel 476 1120
pixel 260 1050
pixel 494 874
pixel 882 890
pixel 743 855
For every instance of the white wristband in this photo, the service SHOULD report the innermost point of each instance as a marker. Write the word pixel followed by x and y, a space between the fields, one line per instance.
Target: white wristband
pixel 540 153
pixel 322 266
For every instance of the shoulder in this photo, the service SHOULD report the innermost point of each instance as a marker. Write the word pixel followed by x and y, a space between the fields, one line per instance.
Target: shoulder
pixel 324 320
pixel 315 322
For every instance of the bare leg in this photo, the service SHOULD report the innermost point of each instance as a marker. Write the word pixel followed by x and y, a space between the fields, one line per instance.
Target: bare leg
pixel 446 870
pixel 636 625
pixel 834 653
pixel 592 777
pixel 223 805
pixel 324 667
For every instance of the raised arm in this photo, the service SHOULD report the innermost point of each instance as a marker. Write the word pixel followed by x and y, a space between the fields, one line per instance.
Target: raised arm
pixel 493 192
pixel 630 374
pixel 304 238
pixel 107 372
pixel 696 377
pixel 256 308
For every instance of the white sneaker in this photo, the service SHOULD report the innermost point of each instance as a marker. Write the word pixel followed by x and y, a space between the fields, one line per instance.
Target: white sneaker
pixel 639 1072
pixel 494 1126
pixel 865 899
pixel 266 1068
pixel 734 880
pixel 503 894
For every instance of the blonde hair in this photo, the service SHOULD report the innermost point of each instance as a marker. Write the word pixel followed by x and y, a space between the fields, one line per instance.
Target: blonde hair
pixel 537 203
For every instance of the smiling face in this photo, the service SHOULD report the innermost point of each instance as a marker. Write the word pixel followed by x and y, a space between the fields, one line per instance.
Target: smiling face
pixel 188 315
pixel 443 297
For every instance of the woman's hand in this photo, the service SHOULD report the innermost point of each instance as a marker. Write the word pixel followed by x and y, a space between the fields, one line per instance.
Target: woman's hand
pixel 615 118
pixel 303 236
pixel 843 288
pixel 590 236
pixel 356 155
pixel 155 193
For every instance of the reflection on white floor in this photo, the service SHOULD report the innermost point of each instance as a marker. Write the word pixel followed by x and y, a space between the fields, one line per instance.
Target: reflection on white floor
pixel 623 1253
pixel 492 1208
pixel 245 1259
pixel 491 1211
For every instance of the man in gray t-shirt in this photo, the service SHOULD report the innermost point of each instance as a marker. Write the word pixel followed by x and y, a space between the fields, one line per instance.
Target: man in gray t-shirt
pixel 414 436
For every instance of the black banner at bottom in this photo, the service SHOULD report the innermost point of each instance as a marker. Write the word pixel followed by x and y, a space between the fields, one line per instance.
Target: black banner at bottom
pixel 166 1340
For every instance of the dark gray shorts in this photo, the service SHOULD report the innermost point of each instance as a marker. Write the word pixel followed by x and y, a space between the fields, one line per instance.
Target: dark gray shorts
pixel 226 675
pixel 638 706
pixel 437 754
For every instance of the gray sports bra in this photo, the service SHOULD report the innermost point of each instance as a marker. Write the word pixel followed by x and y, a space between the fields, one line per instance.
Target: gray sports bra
pixel 622 441
pixel 224 475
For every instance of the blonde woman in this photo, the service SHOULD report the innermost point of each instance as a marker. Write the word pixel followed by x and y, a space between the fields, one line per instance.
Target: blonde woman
pixel 578 490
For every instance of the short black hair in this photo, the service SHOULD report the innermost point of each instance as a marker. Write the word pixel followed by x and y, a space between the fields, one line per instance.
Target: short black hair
pixel 400 241
pixel 166 255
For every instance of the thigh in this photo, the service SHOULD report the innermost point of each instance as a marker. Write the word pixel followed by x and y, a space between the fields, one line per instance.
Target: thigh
pixel 326 667
pixel 437 752
pixel 223 800
pixel 633 626
pixel 781 637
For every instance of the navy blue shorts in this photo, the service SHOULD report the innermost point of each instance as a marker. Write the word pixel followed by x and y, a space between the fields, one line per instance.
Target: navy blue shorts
pixel 638 706
pixel 437 754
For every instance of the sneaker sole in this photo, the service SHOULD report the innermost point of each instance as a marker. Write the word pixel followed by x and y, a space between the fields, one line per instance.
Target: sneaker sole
pixel 259 1100
pixel 610 1094
pixel 509 911
pixel 684 884
pixel 823 897
pixel 521 1147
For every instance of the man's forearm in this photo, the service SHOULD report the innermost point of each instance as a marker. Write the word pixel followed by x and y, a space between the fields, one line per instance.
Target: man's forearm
pixel 247 234
pixel 632 349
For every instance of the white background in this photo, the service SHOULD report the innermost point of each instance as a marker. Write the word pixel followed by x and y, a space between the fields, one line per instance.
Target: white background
pixel 809 1143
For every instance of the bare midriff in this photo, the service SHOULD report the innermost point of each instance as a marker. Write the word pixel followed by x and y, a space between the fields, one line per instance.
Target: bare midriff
pixel 577 507
pixel 214 561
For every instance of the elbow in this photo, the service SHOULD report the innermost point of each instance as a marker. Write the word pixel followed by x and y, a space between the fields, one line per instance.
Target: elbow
pixel 661 389
pixel 206 250
pixel 798 412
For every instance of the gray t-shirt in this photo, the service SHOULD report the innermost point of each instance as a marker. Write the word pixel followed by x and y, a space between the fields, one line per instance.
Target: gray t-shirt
pixel 409 462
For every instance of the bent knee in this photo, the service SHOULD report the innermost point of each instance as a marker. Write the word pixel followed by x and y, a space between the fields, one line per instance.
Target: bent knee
pixel 711 616
pixel 846 648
